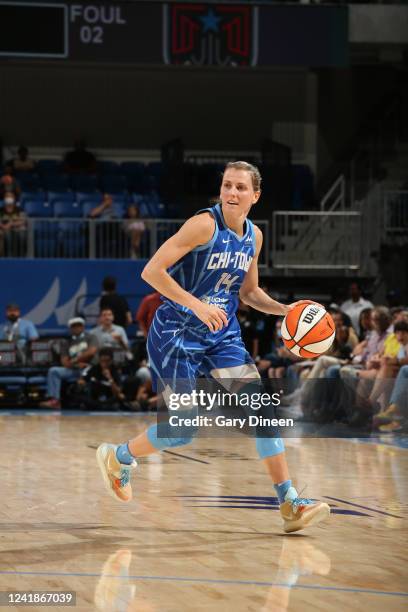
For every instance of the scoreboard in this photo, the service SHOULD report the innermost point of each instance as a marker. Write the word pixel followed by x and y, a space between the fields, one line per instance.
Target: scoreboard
pixel 93 32
pixel 180 33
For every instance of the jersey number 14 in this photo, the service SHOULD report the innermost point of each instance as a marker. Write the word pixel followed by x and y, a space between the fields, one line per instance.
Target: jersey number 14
pixel 227 280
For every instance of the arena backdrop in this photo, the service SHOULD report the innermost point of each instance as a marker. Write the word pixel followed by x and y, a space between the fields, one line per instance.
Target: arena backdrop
pixel 49 292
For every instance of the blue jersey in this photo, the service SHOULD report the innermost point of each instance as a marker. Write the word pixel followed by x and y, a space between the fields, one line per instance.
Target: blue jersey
pixel 214 272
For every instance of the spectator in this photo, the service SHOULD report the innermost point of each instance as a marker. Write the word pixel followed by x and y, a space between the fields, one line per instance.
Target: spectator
pixel 117 303
pixel 13 228
pixel 79 159
pixel 9 184
pixel 100 385
pixel 146 311
pixel 16 329
pixel 365 324
pixel 341 319
pixel 362 380
pixel 76 354
pixel 249 333
pixel 143 397
pixel 134 228
pixel 390 364
pixel 22 162
pixel 394 417
pixel 108 334
pixel 109 237
pixel 355 305
pixel 276 362
pixel 104 210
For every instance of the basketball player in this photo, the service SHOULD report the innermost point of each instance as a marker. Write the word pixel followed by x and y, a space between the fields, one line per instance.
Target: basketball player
pixel 213 255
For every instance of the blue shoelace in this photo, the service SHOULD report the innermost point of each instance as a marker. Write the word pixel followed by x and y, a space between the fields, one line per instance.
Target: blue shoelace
pixel 125 477
pixel 302 501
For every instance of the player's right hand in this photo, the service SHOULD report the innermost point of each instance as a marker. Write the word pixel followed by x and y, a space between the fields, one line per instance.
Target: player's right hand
pixel 214 317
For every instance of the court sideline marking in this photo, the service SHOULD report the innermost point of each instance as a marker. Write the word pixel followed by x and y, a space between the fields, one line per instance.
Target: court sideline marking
pixel 212 581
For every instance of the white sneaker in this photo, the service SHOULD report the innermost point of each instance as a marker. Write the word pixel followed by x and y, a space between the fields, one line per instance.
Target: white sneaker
pixel 116 475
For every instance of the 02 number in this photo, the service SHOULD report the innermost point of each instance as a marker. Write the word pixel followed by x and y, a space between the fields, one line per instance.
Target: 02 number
pixel 91 35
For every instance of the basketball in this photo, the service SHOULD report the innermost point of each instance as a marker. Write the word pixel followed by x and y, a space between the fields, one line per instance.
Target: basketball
pixel 308 331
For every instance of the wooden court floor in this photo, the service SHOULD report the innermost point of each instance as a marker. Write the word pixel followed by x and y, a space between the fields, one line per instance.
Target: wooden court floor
pixel 203 532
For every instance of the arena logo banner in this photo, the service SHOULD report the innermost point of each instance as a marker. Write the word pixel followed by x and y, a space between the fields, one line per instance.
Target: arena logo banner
pixel 49 292
pixel 210 35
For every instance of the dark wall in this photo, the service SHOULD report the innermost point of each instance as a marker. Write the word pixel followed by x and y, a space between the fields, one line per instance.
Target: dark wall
pixel 47 105
pixel 346 99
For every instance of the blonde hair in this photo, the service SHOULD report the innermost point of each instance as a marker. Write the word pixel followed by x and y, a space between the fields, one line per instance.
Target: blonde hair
pixel 253 171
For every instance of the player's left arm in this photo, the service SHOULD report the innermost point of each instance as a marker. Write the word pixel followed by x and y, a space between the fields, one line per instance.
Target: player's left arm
pixel 251 293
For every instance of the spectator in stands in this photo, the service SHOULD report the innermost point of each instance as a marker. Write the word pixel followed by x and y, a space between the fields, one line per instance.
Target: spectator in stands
pixel 134 228
pixel 108 334
pixel 276 362
pixel 394 417
pixel 355 304
pixel 104 210
pixel 109 238
pixel 22 162
pixel 390 365
pixel 359 376
pixel 13 228
pixel 16 329
pixel 399 314
pixel 8 184
pixel 365 324
pixel 341 319
pixel 100 386
pixel 76 355
pixel 117 303
pixel 249 333
pixel 338 354
pixel 147 310
pixel 79 160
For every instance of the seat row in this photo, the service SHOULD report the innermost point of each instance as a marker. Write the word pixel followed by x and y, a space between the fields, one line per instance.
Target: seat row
pixel 81 204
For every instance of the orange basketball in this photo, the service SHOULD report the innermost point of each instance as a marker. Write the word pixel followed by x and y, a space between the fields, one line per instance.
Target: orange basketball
pixel 308 330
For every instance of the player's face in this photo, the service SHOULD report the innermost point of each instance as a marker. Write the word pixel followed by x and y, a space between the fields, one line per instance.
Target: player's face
pixel 237 192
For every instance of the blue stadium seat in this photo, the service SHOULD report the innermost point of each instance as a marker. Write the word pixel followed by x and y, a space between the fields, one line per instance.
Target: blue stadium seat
pixel 119 209
pixel 107 167
pixel 56 196
pixel 31 195
pixel 120 198
pixel 84 182
pixel 135 174
pixel 136 198
pixel 67 209
pixel 87 206
pixel 48 166
pixel 72 241
pixel 45 238
pixel 88 197
pixel 38 208
pixel 28 181
pixel 157 209
pixel 144 209
pixel 113 183
pixel 56 182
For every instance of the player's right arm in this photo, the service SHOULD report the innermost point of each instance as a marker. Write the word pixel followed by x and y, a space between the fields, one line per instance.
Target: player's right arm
pixel 195 232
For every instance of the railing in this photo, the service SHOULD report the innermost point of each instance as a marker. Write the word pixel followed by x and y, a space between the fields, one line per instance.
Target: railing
pixel 51 238
pixel 335 197
pixel 335 243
